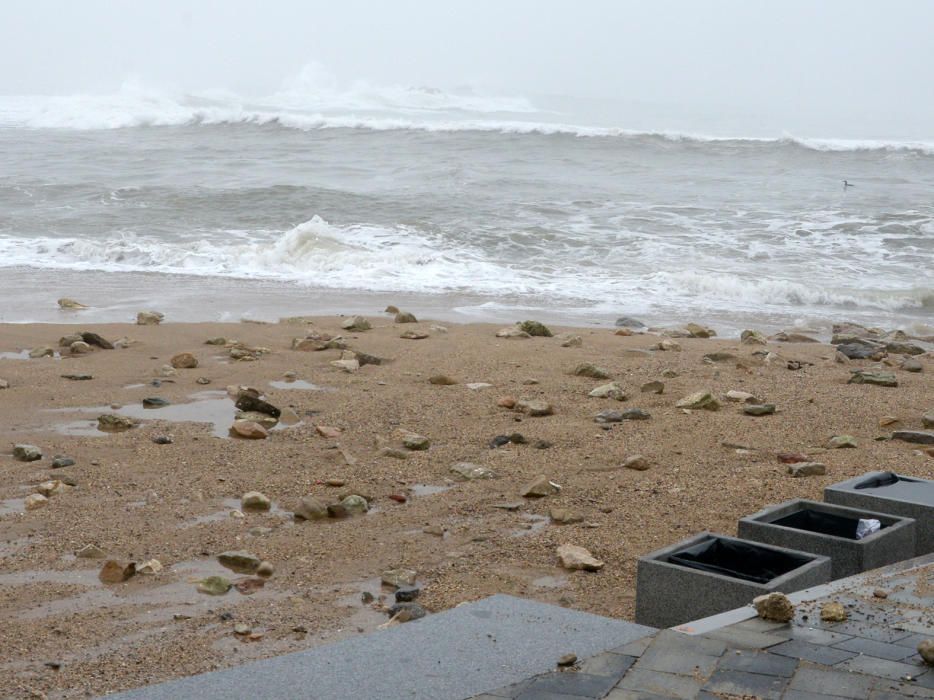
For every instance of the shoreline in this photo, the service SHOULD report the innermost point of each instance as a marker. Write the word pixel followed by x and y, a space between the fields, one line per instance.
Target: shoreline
pixel 138 500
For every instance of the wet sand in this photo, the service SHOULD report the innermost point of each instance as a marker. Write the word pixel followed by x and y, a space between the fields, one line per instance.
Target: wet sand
pixel 65 634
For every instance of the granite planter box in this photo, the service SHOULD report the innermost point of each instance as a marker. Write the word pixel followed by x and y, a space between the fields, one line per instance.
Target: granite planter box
pixel 887 492
pixel 709 574
pixel 823 528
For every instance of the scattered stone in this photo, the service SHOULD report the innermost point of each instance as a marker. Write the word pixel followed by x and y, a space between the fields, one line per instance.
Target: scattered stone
pixel 859 351
pixel 880 593
pixel 784 337
pixel 719 357
pixel 918 437
pixel 441 380
pixel 96 340
pixel 792 457
pixel 79 347
pixel 838 442
pixel 184 360
pixel 564 516
pixel 472 472
pixel 149 318
pixel 749 337
pixel 406 612
pixel 66 340
pixel 265 569
pixel 741 396
pixel 512 333
pixel 534 328
pixel 310 508
pixel 577 558
pixel 26 453
pixel 309 344
pixel 214 585
pixel 406 594
pixel 413 335
pixel 627 322
pixel 150 567
pixel 624 332
pixel 637 462
pixel 405 317
pixel 42 351
pixel 394 453
pixel 539 488
pixel 902 348
pixel 572 341
pixel 115 423
pixel 71 304
pixel 4 384
pixel 609 391
pixel 666 345
pixel 654 387
pixel 239 561
pixel 167 371
pixel 115 571
pixel 535 408
pixel 249 430
pixel 254 500
pixel 328 431
pixel 356 323
pixel 499 441
pixel 506 402
pixel 248 402
pixel 799 469
pixel 775 607
pixel 415 442
pixel 34 501
pixel 911 364
pixel 833 612
pixel 669 374
pixel 399 578
pixel 759 409
pixel 696 330
pixel 636 414
pixel 241 628
pixel 877 378
pixel 699 400
pixel 162 440
pixel 391 309
pixel 354 504
pixel 588 369
pixel 154 402
pixel 91 551
pixel 567 660
pixel 926 650
pixel 51 488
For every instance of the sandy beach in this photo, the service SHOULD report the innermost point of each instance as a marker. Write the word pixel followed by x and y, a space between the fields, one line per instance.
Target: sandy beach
pixel 67 634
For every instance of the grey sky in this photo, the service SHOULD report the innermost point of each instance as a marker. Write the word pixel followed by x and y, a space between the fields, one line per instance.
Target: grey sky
pixel 869 63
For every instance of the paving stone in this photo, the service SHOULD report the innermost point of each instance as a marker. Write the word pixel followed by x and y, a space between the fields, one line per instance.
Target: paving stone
pixel 569 683
pixel 667 685
pixel 759 662
pixel 623 694
pixel 699 644
pixel 729 682
pixel 608 664
pixel 899 691
pixel 872 666
pixel 827 656
pixel 805 695
pixel 635 648
pixel 816 635
pixel 511 691
pixel 757 624
pixel 839 684
pixel 745 639
pixel 913 640
pixel 683 661
pixel 870 647
pixel 871 631
pixel 545 695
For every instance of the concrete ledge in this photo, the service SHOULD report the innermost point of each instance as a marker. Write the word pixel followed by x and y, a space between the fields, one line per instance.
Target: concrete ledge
pixel 669 594
pixel 453 655
pixel 848 556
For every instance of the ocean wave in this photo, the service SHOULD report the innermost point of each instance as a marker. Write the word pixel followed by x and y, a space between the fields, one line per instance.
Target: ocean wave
pixel 308 106
pixel 402 259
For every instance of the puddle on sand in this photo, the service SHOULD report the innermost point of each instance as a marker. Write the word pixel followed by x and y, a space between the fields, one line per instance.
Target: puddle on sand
pixel 173 591
pixel 298 384
pixel 230 505
pixel 550 582
pixel 213 407
pixel 10 547
pixel 428 489
pixel 24 355
pixel 533 524
pixel 12 506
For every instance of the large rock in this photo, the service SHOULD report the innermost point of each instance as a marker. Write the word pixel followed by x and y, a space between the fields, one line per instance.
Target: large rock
pixel 41 351
pixel 749 337
pixel 899 348
pixel 513 333
pixel 405 317
pixel 214 585
pixel 875 378
pixel 775 607
pixel 927 420
pixel 627 322
pixel 695 330
pixel 34 501
pixel 577 558
pixel 399 578
pixel 356 323
pixel 609 391
pixel 115 423
pixel 184 360
pixel 838 442
pixel 149 318
pixel 239 561
pixel 415 442
pixel 71 304
pixel 857 351
pixel 96 340
pixel 249 402
pixel 310 508
pixel 535 407
pixel 254 500
pixel 249 429
pixel 918 437
pixel 911 364
pixel 540 487
pixel 472 472
pixel 799 469
pixel 699 400
pixel 926 650
pixel 114 571
pixel 759 409
pixel 534 328
pixel 79 347
pixel 588 369
pixel 832 611
pixel 26 453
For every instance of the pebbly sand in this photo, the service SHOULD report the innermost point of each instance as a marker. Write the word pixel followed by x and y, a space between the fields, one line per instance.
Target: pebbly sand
pixel 66 634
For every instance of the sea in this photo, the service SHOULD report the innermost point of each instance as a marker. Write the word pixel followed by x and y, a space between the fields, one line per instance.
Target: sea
pixel 213 206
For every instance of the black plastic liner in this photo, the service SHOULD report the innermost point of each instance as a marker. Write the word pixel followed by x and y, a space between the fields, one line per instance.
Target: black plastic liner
pixel 819 521
pixel 741 560
pixel 886 479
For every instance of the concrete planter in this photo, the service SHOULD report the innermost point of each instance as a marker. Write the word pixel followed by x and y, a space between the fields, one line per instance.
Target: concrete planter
pixel 830 530
pixel 886 492
pixel 709 574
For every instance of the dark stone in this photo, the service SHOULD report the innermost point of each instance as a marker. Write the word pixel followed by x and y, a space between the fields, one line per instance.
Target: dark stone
pixel 814 653
pixel 609 416
pixel 366 359
pixel 60 461
pixel 95 339
pixel 77 377
pixel 499 441
pixel 414 610
pixel 518 439
pixel 154 402
pixel 857 351
pixel 918 437
pixel 572 684
pixel 636 414
pixel 542 444
pixel 760 662
pixel 406 594
pixel 742 684
pixel 162 440
pixel 246 402
pixel 336 510
pixel 627 322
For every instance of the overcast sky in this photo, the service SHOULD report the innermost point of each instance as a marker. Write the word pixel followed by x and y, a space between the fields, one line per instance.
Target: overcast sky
pixel 869 63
